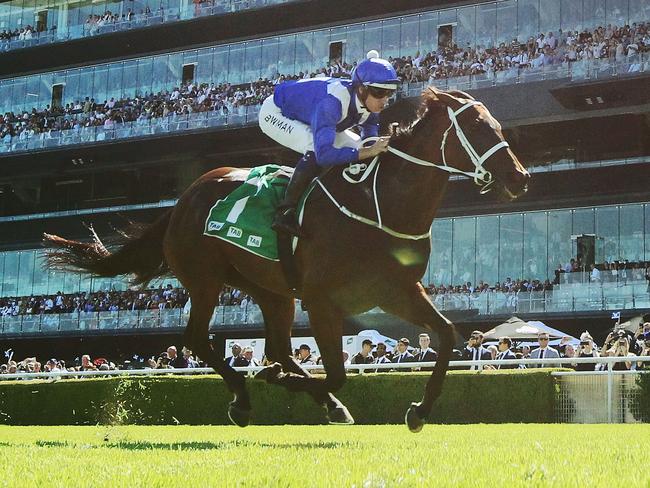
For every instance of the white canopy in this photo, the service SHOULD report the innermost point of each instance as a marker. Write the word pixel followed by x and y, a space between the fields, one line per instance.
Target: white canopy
pixel 518 331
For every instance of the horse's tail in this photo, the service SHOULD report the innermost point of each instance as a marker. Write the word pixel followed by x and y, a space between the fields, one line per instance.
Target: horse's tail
pixel 140 253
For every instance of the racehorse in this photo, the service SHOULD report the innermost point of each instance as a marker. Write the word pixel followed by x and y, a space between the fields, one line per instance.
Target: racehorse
pixel 367 246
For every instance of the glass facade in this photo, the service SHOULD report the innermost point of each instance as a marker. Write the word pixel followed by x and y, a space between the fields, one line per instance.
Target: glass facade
pixel 531 245
pixel 475 25
pixel 487 248
pixel 59 21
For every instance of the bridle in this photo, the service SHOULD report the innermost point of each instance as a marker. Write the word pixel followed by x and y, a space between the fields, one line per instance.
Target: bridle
pixel 482 177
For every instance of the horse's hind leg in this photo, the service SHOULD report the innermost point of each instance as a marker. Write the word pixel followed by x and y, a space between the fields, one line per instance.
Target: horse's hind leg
pixel 413 305
pixel 278 314
pixel 196 336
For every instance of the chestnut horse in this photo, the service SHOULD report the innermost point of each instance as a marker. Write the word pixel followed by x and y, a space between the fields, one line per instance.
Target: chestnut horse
pixel 367 246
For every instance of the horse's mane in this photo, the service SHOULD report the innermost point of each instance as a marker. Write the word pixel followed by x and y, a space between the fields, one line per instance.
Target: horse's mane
pixel 430 106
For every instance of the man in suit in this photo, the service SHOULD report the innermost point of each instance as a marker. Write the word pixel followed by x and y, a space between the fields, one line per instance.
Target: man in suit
pixel 381 357
pixel 403 355
pixel 544 351
pixel 475 350
pixel 305 355
pixel 505 343
pixel 235 349
pixel 425 353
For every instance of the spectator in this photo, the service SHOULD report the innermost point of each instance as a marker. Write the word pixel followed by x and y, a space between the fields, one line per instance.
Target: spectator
pixel 425 354
pixel 364 356
pixel 544 351
pixel 586 349
pixel 619 347
pixel 381 357
pixel 175 361
pixel 304 355
pixel 235 350
pixel 505 352
pixel 475 350
pixel 191 362
pixel 246 358
pixel 86 364
pixel 403 355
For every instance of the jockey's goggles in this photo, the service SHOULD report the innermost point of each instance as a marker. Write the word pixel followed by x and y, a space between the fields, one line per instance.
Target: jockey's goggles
pixel 378 92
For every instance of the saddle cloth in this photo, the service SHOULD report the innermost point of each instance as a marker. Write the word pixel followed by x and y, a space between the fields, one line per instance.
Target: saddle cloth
pixel 243 218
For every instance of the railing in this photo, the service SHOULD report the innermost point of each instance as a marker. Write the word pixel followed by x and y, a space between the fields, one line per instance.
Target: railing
pixel 138 21
pixel 245 115
pixel 576 71
pixel 228 316
pixel 563 298
pixel 581 397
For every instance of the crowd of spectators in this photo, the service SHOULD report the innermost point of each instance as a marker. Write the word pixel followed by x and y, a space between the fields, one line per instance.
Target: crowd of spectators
pixel 161 298
pixel 619 343
pixel 449 60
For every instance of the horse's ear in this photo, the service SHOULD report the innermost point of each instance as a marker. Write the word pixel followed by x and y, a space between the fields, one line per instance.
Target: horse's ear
pixel 442 96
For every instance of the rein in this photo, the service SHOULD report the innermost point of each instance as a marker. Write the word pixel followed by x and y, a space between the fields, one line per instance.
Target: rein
pixel 482 177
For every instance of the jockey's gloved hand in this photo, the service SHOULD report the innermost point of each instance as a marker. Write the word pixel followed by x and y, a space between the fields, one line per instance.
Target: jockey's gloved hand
pixel 380 146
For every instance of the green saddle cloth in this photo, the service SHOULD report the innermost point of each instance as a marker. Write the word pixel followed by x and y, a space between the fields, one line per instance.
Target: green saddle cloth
pixel 244 217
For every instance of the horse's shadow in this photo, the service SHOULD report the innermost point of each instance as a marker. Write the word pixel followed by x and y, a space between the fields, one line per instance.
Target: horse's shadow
pixel 201 446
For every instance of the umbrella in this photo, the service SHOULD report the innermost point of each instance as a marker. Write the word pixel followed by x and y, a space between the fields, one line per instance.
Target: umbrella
pixel 519 330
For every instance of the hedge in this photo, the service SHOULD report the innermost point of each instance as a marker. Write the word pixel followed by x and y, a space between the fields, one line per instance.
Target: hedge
pixel 641 401
pixel 468 397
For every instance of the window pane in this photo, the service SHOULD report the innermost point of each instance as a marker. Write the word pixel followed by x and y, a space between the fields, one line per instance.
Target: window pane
pixel 486 24
pixel 631 230
pixel 593 13
pixel 25 273
pixel 466 31
pixel 203 72
pixel 607 248
pixel 220 64
pixel 506 21
pixel 129 78
pixel 353 51
pixel 639 11
pixel 287 55
pixel 371 37
pixel 409 35
pixel 236 66
pixel 253 62
pixel 511 245
pixel 304 43
pixel 549 17
pixel 571 15
pixel 100 80
pixel 528 19
pixel 464 251
pixel 487 249
pixel 390 46
pixel 583 221
pixel 321 50
pixel 617 13
pixel 646 222
pixel 159 76
pixel 145 75
pixel 40 275
pixel 270 57
pixel 10 278
pixel 535 248
pixel 440 262
pixel 559 238
pixel 428 32
pixel 71 92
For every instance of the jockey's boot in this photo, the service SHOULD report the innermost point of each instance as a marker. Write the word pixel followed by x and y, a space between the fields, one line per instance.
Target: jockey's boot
pixel 286 220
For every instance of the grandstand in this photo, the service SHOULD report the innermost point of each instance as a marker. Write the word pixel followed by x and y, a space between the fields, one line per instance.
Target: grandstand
pixel 109 110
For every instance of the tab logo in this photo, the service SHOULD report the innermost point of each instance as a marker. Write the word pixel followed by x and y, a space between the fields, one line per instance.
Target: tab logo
pixel 234 232
pixel 214 225
pixel 254 241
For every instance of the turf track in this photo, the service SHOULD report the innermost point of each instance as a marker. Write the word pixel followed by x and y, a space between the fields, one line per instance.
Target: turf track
pixel 336 456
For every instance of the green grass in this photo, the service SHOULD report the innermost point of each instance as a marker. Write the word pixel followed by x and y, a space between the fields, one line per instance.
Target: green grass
pixel 305 456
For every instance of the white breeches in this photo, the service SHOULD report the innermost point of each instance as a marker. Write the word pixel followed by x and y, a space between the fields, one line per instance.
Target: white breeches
pixel 294 134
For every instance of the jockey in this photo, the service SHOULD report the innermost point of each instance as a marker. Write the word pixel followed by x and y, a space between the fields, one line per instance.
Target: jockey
pixel 313 117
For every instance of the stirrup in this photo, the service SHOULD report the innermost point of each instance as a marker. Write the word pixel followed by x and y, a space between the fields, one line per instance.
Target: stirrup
pixel 286 222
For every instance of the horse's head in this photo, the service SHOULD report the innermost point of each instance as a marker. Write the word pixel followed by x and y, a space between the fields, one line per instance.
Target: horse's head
pixel 474 144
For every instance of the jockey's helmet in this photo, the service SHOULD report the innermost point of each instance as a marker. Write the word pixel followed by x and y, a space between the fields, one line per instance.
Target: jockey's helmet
pixel 376 72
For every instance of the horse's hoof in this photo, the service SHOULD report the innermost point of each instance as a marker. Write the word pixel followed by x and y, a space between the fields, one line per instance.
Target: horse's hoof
pixel 270 374
pixel 413 419
pixel 339 416
pixel 238 416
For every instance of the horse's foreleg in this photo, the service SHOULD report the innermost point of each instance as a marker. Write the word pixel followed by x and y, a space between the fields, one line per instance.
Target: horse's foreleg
pixel 413 305
pixel 278 314
pixel 196 336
